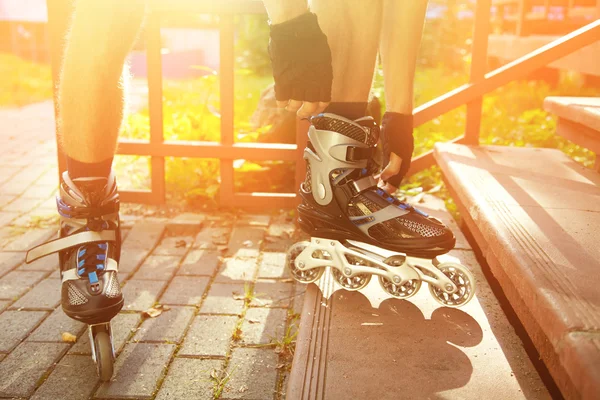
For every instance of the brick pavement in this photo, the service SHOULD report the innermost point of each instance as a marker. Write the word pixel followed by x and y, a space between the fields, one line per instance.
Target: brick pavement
pixel 224 283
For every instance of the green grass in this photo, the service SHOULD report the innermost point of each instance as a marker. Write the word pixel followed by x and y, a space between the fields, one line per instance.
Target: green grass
pixel 23 82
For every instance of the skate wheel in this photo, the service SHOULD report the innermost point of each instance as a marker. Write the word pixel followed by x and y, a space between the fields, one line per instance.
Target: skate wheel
pixel 402 291
pixel 464 281
pixel 302 276
pixel 354 282
pixel 104 356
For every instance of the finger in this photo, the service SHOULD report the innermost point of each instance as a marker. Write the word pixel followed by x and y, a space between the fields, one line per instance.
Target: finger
pixel 307 109
pixel 322 106
pixel 282 103
pixel 294 105
pixel 391 189
pixel 392 168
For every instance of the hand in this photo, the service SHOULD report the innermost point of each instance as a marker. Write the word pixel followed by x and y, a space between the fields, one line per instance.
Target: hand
pixel 301 61
pixel 391 169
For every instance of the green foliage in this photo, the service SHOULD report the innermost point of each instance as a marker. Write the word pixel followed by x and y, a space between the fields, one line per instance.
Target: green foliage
pixel 251 44
pixel 23 82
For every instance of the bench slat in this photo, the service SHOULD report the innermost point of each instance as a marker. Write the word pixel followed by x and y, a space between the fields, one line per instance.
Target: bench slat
pixel 537 214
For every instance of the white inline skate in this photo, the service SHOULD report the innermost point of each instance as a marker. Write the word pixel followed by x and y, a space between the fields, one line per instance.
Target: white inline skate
pixel 358 230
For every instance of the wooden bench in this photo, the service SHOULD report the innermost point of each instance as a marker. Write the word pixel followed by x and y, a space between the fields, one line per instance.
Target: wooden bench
pixel 535 215
pixel 578 120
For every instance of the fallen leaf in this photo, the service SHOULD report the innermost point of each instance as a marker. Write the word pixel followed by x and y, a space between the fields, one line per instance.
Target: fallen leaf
pixel 180 243
pixel 68 337
pixel 248 243
pixel 155 311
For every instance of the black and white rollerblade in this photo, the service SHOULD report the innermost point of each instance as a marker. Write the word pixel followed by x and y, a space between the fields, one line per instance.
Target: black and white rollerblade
pixel 89 248
pixel 358 230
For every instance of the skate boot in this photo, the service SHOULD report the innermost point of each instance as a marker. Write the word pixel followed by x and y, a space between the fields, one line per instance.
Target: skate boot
pixel 88 248
pixel 359 230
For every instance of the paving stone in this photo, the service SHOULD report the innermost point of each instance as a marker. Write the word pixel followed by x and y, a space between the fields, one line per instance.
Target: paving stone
pixel 141 295
pixel 16 325
pixel 186 223
pixel 262 325
pixel 122 325
pixel 22 205
pixel 209 335
pixel 199 262
pixel 174 245
pixel 253 220
pixel 273 265
pixel 211 237
pixel 6 217
pixel 44 295
pixel 137 371
pixel 158 268
pixel 274 244
pixel 40 192
pixel 168 326
pixel 73 378
pixel 281 230
pixel 22 369
pixel 4 304
pixel 48 263
pixel 10 260
pixel 189 379
pixel 245 241
pixel 52 328
pixel 144 235
pixel 15 283
pixel 224 298
pixel 236 270
pixel 5 199
pixel 253 374
pixel 185 290
pixel 30 238
pixel 272 294
pixel 131 258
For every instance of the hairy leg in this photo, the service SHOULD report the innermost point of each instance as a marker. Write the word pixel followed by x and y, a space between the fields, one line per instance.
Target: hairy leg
pixel 401 29
pixel 91 88
pixel 353 29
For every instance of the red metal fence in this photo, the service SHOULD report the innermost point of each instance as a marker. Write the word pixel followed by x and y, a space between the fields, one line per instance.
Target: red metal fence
pixel 471 94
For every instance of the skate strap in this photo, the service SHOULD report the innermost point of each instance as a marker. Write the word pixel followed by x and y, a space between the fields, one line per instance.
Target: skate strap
pixel 362 184
pixel 364 222
pixel 71 274
pixel 67 242
pixel 358 153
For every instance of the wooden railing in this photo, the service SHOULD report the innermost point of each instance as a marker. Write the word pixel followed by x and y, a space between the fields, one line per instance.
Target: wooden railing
pixel 227 151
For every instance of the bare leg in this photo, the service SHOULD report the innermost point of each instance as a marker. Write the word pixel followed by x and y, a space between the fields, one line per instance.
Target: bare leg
pixel 91 90
pixel 352 28
pixel 401 29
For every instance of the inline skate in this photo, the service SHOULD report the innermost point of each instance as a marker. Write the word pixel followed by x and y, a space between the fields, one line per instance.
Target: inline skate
pixel 88 248
pixel 358 230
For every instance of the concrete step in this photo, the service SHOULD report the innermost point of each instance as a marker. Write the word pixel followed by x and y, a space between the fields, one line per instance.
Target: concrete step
pixel 535 215
pixel 367 345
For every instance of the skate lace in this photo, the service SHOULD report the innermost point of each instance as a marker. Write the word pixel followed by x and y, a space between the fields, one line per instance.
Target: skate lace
pixel 91 258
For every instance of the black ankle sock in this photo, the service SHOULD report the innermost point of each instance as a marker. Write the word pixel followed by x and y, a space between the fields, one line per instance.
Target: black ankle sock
pixel 79 169
pixel 348 110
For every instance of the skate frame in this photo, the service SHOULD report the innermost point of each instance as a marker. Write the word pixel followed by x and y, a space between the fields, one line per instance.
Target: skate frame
pixel 376 260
